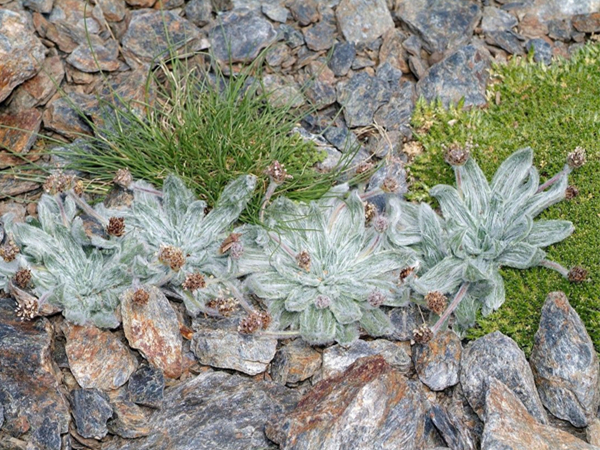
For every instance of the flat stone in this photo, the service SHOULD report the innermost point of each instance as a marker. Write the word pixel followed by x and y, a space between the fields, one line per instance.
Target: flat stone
pixel 214 410
pixel 199 12
pixel 320 36
pixel 146 386
pixel 565 364
pixel 63 114
pixel 113 10
pixel 369 406
pixel 363 21
pixel 278 54
pixel 341 138
pixel 10 186
pixel 217 343
pixel 404 320
pixel 282 92
pixel 494 19
pixel 412 45
pixel 38 90
pixel 542 51
pixel 560 9
pixel 91 411
pixel 395 115
pixel 437 362
pixel 509 426
pixel 239 37
pixel 291 36
pixel 30 394
pixel 18 133
pixel 531 26
pixel 454 426
pixel 587 23
pixel 496 356
pixel 153 329
pixel 441 24
pixel 463 74
pixel 384 145
pixel 129 420
pixel 275 12
pixel 392 169
pixel 342 58
pixel 64 35
pixel 392 50
pixel 76 16
pixel 98 359
pixel 41 6
pixel 507 40
pixel 97 58
pixel 560 30
pixel 21 52
pixel 360 97
pixel 295 362
pixel 304 12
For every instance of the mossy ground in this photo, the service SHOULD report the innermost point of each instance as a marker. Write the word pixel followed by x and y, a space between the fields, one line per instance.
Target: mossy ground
pixel 553 110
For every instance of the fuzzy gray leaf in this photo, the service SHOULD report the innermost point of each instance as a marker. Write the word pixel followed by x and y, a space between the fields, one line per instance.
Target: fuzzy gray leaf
pixel 547 232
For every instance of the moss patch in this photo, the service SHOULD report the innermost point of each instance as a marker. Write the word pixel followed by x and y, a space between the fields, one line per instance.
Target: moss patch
pixel 553 110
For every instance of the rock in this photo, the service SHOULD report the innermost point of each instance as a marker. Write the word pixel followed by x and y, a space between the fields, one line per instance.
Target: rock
pixel 113 10
pixel 392 50
pixel 76 17
pixel 141 3
pixel 494 19
pixel 395 115
pixel 463 74
pixel 587 23
pixel 560 30
pixel 21 52
pixel 295 362
pixel 360 62
pixel 452 428
pixel 369 406
pixel 239 37
pixel 542 51
pixel 146 386
pixel 531 26
pixel 337 359
pixel 320 36
pixel 218 344
pixel 18 133
pixel 363 21
pixel 41 6
pixel 30 394
pixel 282 92
pixel 98 359
pixel 214 410
pixel 321 94
pixel 275 12
pixel 417 66
pixel 412 45
pixel 129 420
pixel 382 145
pixel 404 320
pixel 441 24
pixel 342 58
pixel 304 12
pixel 592 432
pixel 11 187
pixel 509 41
pixel 498 356
pixel 65 115
pixel 565 364
pixel 291 36
pixel 437 362
pixel 560 9
pixel 38 90
pixel 360 97
pixel 394 169
pixel 153 329
pixel 100 57
pixel 509 426
pixel 341 138
pixel 152 35
pixel 199 12
pixel 91 411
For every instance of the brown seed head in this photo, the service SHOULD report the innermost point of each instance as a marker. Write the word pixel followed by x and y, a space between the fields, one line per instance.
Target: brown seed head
pixel 171 256
pixel 390 185
pixel 140 297
pixel 576 158
pixel 436 302
pixel 571 192
pixel 9 251
pixel 116 226
pixel 423 334
pixel 225 306
pixel 194 281
pixel 404 273
pixel 228 242
pixel 59 182
pixel 250 324
pixel 364 166
pixel 577 274
pixel 370 211
pixel 23 278
pixel 276 171
pixel 78 187
pixel 457 154
pixel 27 309
pixel 123 178
pixel 303 260
pixel 376 298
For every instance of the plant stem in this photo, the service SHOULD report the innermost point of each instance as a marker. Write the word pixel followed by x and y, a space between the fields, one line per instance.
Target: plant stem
pixel 566 170
pixel 554 266
pixel 268 194
pixel 285 248
pixel 88 209
pixel 450 309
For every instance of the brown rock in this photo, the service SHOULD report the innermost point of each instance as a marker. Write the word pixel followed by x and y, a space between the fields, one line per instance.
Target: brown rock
pixel 393 52
pixel 587 23
pixel 98 57
pixel 153 329
pixel 39 89
pixel 438 362
pixel 18 133
pixel 97 358
pixel 129 420
pixel 113 10
pixel 11 186
pixel 532 27
pixel 295 362
pixel 64 114
pixel 141 3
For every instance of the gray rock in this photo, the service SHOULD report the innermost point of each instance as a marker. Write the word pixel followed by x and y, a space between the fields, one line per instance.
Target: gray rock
pixel 38 90
pixel 417 66
pixel 146 386
pixel 393 169
pixel 304 12
pixel 363 21
pixel 565 364
pixel 129 420
pixel 295 362
pixel 217 343
pixel 463 74
pixel 91 411
pixel 389 143
pixel 214 410
pixel 320 93
pixel 360 62
pixel 291 36
pixel 98 57
pixel 320 36
pixel 369 406
pixel 341 138
pixel 509 41
pixel 21 52
pixel 437 362
pixel 494 19
pixel 113 10
pixel 282 91
pixel 560 30
pixel 275 12
pixel 41 6
pixel 342 58
pixel 1 416
pixel 199 12
pixel 395 115
pixel 587 23
pixel 404 320
pixel 360 97
pixel 542 51
pixel 452 428
pixel 559 9
pixel 412 45
pixel 441 24
pixel 239 37
pixel 391 75
pixel 497 356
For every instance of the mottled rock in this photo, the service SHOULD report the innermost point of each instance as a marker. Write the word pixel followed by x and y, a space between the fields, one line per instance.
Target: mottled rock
pixel 392 50
pixel 542 51
pixel 41 6
pixel 560 30
pixel 531 26
pixel 129 420
pixel 64 114
pixel 295 362
pixel 38 90
pixel 441 24
pixel 282 92
pixel 360 97
pixel 239 37
pixel 18 133
pixel 141 3
pixel 146 386
pixel 291 36
pixel 11 187
pixel 275 12
pixel 451 426
pixel 382 145
pixel 342 58
pixel 113 10
pixel 214 410
pixel 98 359
pixel 341 138
pixel 494 19
pixel 153 329
pixel 218 344
pixel 320 36
pixel 363 21
pixel 587 23
pixel 1 416
pixel 75 15
pixel 393 169
pixel 30 393
pixel 369 406
pixel 498 356
pixel 565 364
pixel 463 74
pixel 99 57
pixel 509 41
pixel 509 426
pixel 395 115
pixel 404 320
pixel 199 12
pixel 91 411
pixel 417 66
pixel 304 12
pixel 21 52
pixel 412 45
pixel 592 432
pixel 559 9
pixel 437 362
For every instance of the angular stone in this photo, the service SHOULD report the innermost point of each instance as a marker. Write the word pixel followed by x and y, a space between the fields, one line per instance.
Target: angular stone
pixel 291 36
pixel 363 21
pixel 509 426
pixel 451 427
pixel 341 138
pixel 304 12
pixel 275 12
pixel 437 362
pixel 392 50
pixel 506 40
pixel 404 320
pixel 199 12
pixel 97 58
pixel 565 364
pixel 384 145
pixel 75 15
pixel 41 6
pixel 98 359
pixel 239 37
pixel 282 91
pixel 11 187
pixel 321 94
pixel 295 362
pixel 371 405
pixel 412 45
pixel 441 24
pixel 463 74
pixel 113 10
pixel 18 133
pixel 560 30
pixel 91 411
pixel 360 97
pixel 129 420
pixel 141 3
pixel 320 36
pixel 542 51
pixel 494 19
pixel 531 26
pixel 38 90
pixel 395 115
pixel 496 356
pixel 21 52
pixel 214 410
pixel 342 58
pixel 559 9
pixel 30 394
pixel 146 386
pixel 587 23
pixel 64 114
pixel 153 329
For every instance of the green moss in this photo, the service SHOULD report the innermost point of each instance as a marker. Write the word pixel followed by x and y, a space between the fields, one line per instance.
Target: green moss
pixel 553 110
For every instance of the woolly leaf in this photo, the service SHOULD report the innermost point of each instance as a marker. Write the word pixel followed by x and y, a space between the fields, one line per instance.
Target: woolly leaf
pixel 317 326
pixel 547 232
pixel 521 255
pixel 474 187
pixel 376 322
pixel 512 172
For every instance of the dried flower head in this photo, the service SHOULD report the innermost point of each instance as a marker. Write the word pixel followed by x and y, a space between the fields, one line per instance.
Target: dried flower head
pixel 194 281
pixel 576 158
pixel 229 241
pixel 436 302
pixel 364 166
pixel 276 171
pixel 577 274
pixel 303 260
pixel 116 226
pixel 322 302
pixel 78 187
pixel 376 298
pixel 123 178
pixel 390 185
pixel 380 223
pixel 405 273
pixel 171 256
pixel 9 251
pixel 140 296
pixel 422 334
pixel 571 192
pixel 457 154
pixel 370 211
pixel 225 306
pixel 23 278
pixel 27 309
pixel 254 322
pixel 236 251
pixel 59 182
